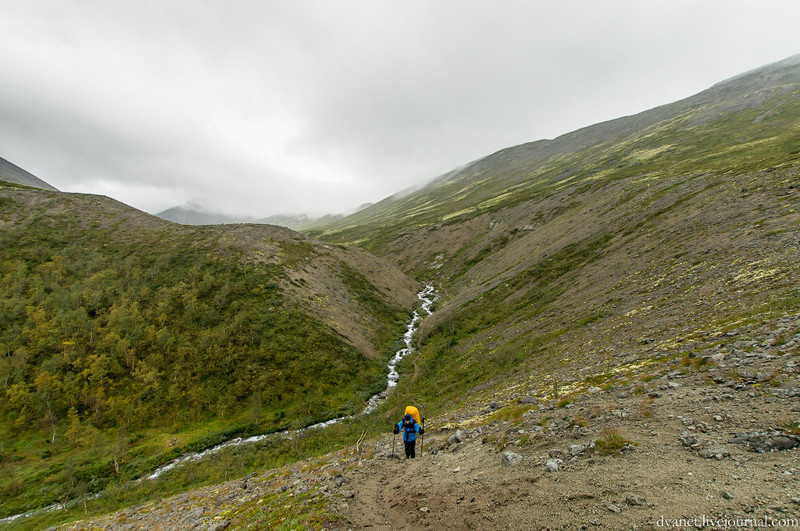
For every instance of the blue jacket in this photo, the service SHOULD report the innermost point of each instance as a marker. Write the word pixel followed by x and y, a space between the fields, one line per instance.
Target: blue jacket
pixel 409 430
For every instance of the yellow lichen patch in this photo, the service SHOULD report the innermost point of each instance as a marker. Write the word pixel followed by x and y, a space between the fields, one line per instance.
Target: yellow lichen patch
pixel 642 155
pixel 458 213
pixel 749 276
pixel 639 310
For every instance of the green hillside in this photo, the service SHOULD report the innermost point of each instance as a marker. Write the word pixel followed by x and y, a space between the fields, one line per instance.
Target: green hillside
pixel 127 341
pixel 607 257
pixel 634 239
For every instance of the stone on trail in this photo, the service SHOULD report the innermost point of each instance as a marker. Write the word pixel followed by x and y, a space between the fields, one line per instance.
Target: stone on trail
pixel 510 458
pixel 458 437
pixel 715 451
pixel 577 449
pixel 635 500
pixel 553 465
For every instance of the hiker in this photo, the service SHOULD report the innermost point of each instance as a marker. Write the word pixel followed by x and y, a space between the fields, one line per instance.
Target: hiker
pixel 410 429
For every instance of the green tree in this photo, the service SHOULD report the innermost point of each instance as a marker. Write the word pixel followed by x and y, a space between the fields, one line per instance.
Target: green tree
pixel 74 429
pixel 46 387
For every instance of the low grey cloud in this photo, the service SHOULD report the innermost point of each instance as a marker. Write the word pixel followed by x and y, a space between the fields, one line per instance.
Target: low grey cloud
pixel 271 107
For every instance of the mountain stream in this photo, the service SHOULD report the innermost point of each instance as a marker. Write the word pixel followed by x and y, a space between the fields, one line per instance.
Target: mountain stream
pixel 426 296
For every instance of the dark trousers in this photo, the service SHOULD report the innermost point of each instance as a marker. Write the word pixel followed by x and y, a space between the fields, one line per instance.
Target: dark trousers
pixel 410 448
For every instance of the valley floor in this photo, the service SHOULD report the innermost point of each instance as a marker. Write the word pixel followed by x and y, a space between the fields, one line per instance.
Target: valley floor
pixel 708 441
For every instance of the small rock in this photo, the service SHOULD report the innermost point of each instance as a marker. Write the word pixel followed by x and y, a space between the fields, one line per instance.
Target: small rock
pixel 688 440
pixel 348 494
pixel 510 458
pixel 594 389
pixel 613 508
pixel 633 499
pixel 553 465
pixel 555 452
pixel 527 400
pixel 220 526
pixel 424 510
pixel 579 432
pixel 577 449
pixel 715 451
pixel 727 495
pixel 458 437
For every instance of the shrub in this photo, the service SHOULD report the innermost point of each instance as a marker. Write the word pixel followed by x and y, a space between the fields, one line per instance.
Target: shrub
pixel 646 407
pixel 791 426
pixel 611 442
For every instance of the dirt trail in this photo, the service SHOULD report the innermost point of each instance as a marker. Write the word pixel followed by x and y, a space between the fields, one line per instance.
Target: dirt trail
pixel 682 465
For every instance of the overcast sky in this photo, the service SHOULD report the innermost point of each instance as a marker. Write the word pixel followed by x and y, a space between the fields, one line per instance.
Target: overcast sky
pixel 278 107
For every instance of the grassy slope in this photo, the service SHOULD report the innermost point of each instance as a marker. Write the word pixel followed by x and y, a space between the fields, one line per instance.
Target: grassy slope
pixel 127 341
pixel 658 230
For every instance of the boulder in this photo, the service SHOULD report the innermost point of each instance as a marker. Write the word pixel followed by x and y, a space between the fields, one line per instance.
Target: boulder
pixel 510 458
pixel 762 442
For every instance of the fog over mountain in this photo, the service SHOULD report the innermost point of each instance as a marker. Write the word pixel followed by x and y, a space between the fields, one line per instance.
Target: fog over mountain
pixel 278 107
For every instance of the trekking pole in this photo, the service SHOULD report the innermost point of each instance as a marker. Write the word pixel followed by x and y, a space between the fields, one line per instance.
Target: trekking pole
pixel 422 447
pixel 394 436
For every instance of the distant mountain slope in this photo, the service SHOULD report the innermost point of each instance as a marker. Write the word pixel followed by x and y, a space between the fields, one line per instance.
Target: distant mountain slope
pixel 191 216
pixel 621 241
pixel 115 322
pixel 14 174
pixel 757 109
pixel 188 215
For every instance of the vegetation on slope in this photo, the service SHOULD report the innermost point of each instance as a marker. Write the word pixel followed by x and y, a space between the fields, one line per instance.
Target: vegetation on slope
pixel 125 345
pixel 625 240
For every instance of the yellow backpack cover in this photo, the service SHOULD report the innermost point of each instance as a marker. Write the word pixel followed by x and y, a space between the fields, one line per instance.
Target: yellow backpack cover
pixel 414 412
